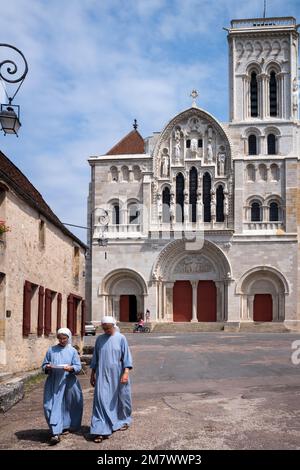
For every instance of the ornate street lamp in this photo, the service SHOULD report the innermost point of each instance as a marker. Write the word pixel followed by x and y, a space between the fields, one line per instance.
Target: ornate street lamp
pixel 10 113
pixel 103 220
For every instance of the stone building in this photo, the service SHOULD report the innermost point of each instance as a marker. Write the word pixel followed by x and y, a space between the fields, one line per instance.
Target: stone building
pixel 202 218
pixel 41 274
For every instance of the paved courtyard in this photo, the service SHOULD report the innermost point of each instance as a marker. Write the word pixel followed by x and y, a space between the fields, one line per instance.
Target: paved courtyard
pixel 190 391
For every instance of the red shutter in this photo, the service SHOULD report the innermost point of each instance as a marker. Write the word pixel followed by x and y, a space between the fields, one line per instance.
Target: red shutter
pixel 70 313
pixel 59 297
pixel 83 315
pixel 41 312
pixel 26 308
pixel 48 301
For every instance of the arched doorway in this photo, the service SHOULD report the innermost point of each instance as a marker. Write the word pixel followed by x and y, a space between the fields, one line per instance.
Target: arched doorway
pixel 207 301
pixel 182 301
pixel 262 290
pixel 123 292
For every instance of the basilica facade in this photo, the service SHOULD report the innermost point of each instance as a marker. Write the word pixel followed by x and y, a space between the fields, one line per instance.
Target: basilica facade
pixel 199 222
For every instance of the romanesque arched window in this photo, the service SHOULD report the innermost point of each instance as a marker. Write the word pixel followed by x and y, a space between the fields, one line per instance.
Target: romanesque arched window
pixel 179 197
pixel 254 95
pixel 271 144
pixel 275 172
pixel 116 214
pixel 114 173
pixel 274 212
pixel 256 211
pixel 133 213
pixel 193 193
pixel 206 196
pixel 220 204
pixel 273 94
pixel 166 205
pixel 252 144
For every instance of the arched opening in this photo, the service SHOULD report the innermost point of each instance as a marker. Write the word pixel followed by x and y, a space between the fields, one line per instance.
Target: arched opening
pixel 166 198
pixel 274 212
pixel 206 197
pixel 179 197
pixel 254 95
pixel 275 173
pixel 271 144
pixel 133 214
pixel 123 294
pixel 116 214
pixel 252 144
pixel 193 193
pixel 250 173
pixel 220 204
pixel 273 94
pixel 255 211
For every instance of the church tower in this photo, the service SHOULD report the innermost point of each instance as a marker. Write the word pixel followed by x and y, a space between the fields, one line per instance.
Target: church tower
pixel 263 56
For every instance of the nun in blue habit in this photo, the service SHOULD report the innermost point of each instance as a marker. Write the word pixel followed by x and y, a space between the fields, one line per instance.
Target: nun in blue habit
pixel 63 401
pixel 110 376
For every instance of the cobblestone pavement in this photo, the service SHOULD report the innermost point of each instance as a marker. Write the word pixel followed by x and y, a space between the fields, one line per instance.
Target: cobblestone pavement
pixel 190 391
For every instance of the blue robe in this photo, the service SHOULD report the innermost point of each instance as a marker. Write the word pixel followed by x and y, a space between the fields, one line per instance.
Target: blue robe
pixel 63 401
pixel 112 399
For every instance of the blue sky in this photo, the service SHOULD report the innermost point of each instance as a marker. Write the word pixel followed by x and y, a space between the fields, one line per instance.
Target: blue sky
pixel 95 65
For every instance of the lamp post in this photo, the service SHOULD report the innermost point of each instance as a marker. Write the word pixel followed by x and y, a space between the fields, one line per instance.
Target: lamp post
pixel 102 221
pixel 10 113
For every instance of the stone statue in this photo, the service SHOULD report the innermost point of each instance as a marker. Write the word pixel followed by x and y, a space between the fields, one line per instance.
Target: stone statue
pixel 177 144
pixel 221 162
pixel 159 206
pixel 194 145
pixel 213 203
pixel 209 152
pixel 165 165
pixel 225 206
pixel 295 96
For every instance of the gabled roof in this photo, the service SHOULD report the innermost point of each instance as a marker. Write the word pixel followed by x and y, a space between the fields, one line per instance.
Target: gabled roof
pixel 132 143
pixel 15 179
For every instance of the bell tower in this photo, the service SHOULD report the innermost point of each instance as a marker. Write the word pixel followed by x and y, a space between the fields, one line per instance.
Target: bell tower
pixel 263 68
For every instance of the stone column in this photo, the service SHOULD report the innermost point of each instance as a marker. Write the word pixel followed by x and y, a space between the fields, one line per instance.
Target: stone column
pixel 146 216
pixel 232 302
pixel 250 304
pixel 220 301
pixel 281 302
pixel 195 293
pixel 168 301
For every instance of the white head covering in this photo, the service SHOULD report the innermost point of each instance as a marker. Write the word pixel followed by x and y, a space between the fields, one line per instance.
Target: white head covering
pixel 107 319
pixel 67 332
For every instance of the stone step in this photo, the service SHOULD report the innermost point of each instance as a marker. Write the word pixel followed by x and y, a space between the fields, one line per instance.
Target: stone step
pixel 263 327
pixel 182 327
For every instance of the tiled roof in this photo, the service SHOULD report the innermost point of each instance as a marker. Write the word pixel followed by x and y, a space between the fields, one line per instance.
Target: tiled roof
pixel 132 143
pixel 15 179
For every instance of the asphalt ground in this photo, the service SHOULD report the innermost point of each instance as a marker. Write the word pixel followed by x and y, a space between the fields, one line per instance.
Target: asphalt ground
pixel 190 391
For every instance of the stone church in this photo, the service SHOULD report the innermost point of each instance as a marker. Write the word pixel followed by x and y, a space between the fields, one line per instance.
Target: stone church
pixel 199 222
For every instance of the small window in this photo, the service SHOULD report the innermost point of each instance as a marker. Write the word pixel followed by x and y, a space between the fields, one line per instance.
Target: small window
pixel 252 143
pixel 188 144
pixel 271 144
pixel 200 143
pixel 273 94
pixel 254 95
pixel 255 212
pixel 274 212
pixel 42 232
pixel 116 214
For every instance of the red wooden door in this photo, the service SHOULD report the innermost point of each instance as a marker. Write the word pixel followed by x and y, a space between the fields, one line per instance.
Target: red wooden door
pixel 262 307
pixel 207 301
pixel 182 301
pixel 124 307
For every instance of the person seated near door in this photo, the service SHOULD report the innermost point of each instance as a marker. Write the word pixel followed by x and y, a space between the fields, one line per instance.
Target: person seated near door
pixel 140 324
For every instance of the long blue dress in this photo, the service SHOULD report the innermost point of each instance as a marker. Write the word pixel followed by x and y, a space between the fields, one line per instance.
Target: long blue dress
pixel 63 400
pixel 112 399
